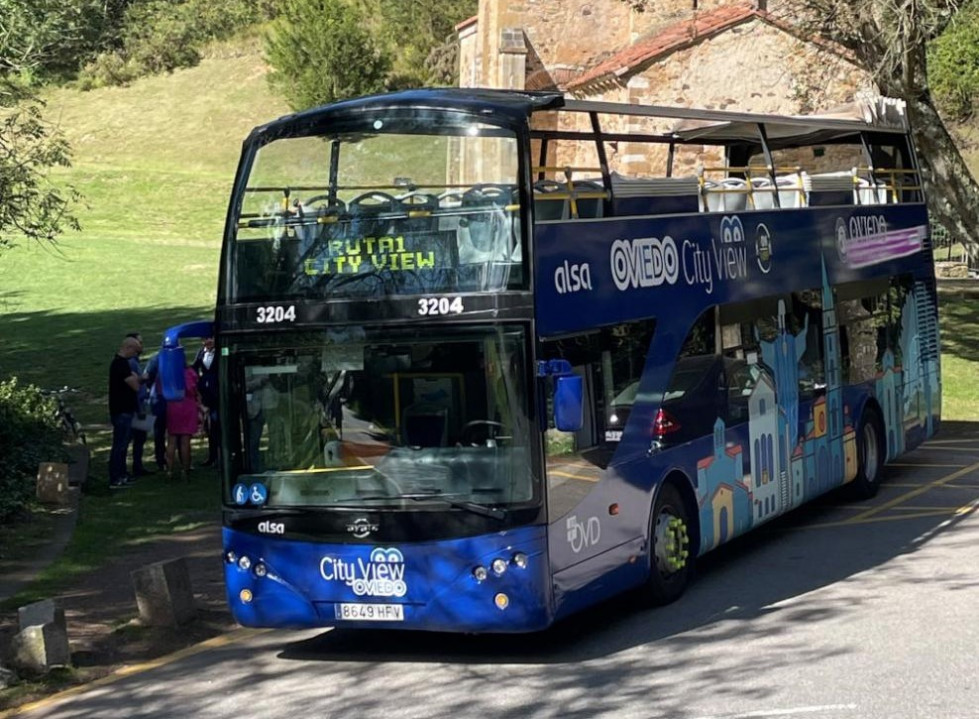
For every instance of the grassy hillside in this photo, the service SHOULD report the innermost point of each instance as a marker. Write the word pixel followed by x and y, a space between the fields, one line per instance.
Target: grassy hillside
pixel 155 162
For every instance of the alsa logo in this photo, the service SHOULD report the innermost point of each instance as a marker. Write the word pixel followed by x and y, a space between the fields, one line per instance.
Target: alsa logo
pixel 267 527
pixel 383 575
pixel 572 278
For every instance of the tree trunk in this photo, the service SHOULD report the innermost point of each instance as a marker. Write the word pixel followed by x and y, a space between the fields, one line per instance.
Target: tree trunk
pixel 950 189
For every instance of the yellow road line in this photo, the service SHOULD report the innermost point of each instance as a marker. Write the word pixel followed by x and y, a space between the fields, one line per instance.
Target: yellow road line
pixel 894 518
pixel 558 473
pixel 222 640
pixel 914 493
pixel 924 509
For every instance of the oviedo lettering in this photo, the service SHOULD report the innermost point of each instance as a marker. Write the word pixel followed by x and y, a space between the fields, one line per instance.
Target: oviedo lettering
pixel 644 262
pixel 383 575
pixel 650 261
pixel 860 230
pixel 572 278
pixel 368 254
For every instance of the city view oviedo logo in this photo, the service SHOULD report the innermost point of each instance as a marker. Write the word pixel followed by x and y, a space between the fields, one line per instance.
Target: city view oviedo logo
pixel 652 261
pixel 383 575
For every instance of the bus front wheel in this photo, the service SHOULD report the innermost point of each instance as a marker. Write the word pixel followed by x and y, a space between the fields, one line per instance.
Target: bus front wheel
pixel 870 456
pixel 670 563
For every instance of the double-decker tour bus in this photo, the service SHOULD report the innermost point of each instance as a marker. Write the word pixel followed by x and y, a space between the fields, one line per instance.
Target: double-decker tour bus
pixel 490 357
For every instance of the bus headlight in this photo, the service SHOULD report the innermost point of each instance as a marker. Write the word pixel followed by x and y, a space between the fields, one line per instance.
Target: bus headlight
pixel 520 560
pixel 480 573
pixel 244 562
pixel 230 557
pixel 499 566
pixel 260 569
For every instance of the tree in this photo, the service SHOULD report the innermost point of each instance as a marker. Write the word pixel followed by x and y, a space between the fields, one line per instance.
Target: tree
pixel 31 207
pixel 53 38
pixel 421 37
pixel 889 40
pixel 320 52
pixel 953 64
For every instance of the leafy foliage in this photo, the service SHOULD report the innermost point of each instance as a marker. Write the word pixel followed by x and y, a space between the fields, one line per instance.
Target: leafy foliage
pixel 420 36
pixel 29 434
pixel 162 35
pixel 321 51
pixel 50 38
pixel 953 64
pixel 30 206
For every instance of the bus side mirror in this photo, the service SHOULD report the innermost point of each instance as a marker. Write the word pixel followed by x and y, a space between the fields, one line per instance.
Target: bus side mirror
pixel 171 362
pixel 568 410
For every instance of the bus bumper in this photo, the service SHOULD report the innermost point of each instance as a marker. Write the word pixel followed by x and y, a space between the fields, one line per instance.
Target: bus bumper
pixel 491 583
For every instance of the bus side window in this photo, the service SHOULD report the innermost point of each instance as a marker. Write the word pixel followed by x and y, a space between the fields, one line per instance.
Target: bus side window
pixel 610 362
pixel 804 318
pixel 743 354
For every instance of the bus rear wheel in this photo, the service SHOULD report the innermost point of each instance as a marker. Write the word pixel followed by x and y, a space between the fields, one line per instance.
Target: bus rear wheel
pixel 870 456
pixel 670 564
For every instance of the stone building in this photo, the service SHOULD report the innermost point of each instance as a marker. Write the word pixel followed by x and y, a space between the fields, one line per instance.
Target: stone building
pixel 714 54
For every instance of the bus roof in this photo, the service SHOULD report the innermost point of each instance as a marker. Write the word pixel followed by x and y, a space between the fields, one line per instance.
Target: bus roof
pixel 884 115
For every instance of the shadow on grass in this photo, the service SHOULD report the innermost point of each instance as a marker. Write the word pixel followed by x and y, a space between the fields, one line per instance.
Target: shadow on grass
pixel 54 349
pixel 959 320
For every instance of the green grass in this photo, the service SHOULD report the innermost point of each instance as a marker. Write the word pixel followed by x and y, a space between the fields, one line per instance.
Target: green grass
pixel 959 319
pixel 155 163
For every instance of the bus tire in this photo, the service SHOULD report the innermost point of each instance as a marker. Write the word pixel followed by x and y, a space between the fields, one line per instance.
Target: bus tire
pixel 670 563
pixel 870 456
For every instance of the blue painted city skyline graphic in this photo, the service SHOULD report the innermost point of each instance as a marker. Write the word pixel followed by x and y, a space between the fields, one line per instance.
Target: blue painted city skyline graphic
pixel 792 457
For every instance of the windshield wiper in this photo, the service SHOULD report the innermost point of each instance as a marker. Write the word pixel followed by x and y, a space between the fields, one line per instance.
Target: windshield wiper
pixel 474 507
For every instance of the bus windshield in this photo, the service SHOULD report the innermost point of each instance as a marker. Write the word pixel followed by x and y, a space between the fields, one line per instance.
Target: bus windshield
pixel 392 202
pixel 350 417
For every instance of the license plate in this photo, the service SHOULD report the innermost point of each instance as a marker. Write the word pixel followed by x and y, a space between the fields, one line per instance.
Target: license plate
pixel 370 612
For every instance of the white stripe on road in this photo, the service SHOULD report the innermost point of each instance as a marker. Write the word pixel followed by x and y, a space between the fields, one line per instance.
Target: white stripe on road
pixel 796 711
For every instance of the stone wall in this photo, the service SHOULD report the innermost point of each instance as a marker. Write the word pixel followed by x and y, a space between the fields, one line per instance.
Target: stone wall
pixel 754 67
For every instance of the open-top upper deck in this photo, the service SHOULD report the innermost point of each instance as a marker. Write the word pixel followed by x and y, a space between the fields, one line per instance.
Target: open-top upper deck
pixel 435 191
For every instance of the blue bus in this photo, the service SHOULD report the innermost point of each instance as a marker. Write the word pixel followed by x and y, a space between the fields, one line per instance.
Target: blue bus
pixel 488 357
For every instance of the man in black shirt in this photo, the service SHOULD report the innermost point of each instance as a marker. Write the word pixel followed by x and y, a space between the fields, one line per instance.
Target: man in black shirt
pixel 123 389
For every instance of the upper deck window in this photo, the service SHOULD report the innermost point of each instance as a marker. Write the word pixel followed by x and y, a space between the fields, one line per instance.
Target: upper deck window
pixel 392 202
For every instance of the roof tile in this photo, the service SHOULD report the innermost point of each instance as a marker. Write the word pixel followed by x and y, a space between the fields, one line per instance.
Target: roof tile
pixel 674 37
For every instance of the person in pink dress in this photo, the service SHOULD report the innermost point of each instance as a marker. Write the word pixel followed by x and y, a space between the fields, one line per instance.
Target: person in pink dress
pixel 183 422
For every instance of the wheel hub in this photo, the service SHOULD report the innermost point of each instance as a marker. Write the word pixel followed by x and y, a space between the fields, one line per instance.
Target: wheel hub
pixel 671 542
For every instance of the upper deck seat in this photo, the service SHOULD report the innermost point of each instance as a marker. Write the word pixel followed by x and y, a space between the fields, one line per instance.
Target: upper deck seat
pixel 790 192
pixel 589 197
pixel 867 193
pixel 728 195
pixel 373 214
pixel 419 208
pixel 654 195
pixel 550 201
pixel 829 188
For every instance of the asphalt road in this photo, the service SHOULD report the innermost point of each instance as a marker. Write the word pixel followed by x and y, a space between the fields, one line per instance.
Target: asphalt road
pixel 840 611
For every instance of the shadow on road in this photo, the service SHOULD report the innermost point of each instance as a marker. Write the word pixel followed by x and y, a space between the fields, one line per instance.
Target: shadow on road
pixel 817 545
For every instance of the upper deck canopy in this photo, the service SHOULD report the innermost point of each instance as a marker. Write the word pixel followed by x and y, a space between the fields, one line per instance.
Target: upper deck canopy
pixel 880 115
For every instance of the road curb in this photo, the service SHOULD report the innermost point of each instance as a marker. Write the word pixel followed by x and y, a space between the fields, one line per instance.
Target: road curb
pixel 222 640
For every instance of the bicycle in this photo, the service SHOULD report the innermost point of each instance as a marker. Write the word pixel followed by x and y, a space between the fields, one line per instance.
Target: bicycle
pixel 71 427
